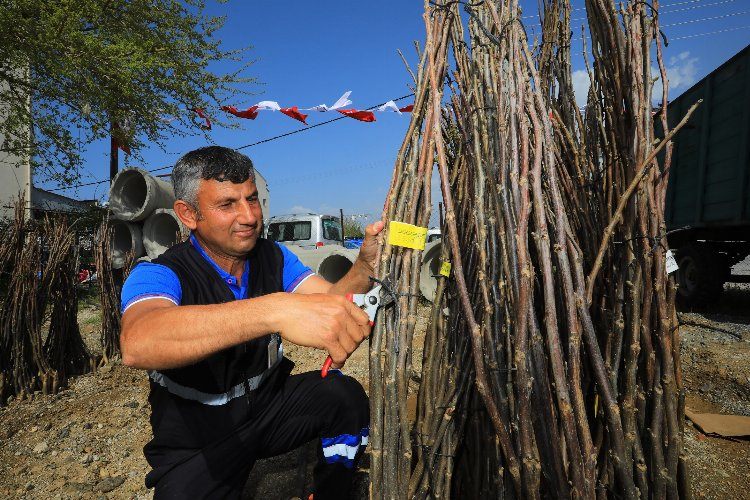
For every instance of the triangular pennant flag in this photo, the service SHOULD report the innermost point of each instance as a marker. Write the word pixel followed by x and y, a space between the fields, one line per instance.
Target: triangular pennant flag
pixel 269 105
pixel 203 115
pixel 123 146
pixel 342 101
pixel 407 109
pixel 293 112
pixel 389 105
pixel 363 116
pixel 118 144
pixel 250 113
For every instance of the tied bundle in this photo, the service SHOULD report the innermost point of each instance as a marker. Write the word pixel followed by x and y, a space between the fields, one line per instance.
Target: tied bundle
pixel 551 363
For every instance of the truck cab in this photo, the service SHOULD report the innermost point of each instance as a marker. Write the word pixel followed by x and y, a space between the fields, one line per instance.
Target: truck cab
pixel 306 230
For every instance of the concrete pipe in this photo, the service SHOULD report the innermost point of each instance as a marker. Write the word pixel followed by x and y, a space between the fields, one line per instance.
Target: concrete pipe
pixel 126 240
pixel 135 194
pixel 429 270
pixel 337 264
pixel 311 257
pixel 331 262
pixel 161 230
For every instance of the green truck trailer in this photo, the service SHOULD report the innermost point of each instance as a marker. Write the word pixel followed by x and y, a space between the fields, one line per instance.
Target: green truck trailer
pixel 708 201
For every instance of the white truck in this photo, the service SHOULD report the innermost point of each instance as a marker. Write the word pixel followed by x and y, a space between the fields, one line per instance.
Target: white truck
pixel 305 230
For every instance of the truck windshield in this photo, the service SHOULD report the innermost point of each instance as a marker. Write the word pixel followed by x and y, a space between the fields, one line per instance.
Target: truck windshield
pixel 331 229
pixel 289 231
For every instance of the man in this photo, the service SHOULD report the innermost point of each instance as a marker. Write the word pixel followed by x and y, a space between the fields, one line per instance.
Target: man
pixel 207 319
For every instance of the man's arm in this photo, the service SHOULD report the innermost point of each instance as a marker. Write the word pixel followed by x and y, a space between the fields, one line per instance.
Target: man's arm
pixel 357 280
pixel 157 334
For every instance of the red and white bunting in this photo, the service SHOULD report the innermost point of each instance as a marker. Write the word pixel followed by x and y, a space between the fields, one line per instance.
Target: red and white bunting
pixel 340 106
pixel 200 112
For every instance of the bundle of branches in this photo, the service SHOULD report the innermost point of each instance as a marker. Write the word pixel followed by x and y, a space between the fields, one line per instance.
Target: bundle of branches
pixel 64 347
pixel 110 285
pixel 559 379
pixel 24 365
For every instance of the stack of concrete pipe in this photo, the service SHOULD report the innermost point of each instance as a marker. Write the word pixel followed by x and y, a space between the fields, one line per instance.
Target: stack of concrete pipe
pixel 143 222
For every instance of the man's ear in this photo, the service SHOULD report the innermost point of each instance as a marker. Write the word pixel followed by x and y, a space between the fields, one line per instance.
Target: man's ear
pixel 186 213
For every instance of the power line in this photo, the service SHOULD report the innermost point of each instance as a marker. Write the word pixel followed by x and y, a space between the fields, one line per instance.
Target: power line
pixel 662 6
pixel 709 33
pixel 245 146
pixel 690 21
pixel 663 12
pixel 713 18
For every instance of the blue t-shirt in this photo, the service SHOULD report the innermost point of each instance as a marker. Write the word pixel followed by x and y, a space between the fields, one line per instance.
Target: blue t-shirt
pixel 148 280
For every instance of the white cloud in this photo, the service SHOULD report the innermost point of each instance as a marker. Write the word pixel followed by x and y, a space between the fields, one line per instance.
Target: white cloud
pixel 682 71
pixel 581 84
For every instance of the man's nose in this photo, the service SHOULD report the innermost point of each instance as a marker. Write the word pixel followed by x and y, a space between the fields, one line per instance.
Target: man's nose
pixel 246 214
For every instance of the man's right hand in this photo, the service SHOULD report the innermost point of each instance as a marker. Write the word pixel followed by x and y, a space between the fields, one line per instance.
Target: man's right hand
pixel 324 321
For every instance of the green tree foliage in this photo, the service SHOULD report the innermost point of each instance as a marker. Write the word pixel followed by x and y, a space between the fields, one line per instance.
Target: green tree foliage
pixel 71 68
pixel 353 229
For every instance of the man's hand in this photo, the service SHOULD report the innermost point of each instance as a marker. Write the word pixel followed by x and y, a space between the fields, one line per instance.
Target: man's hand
pixel 324 321
pixel 369 250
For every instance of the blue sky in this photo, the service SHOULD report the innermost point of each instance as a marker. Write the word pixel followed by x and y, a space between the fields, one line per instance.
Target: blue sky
pixel 309 53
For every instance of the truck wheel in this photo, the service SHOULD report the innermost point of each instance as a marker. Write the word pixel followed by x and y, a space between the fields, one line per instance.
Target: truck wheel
pixel 701 275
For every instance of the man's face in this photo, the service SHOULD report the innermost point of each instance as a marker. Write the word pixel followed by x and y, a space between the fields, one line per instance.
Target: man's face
pixel 231 218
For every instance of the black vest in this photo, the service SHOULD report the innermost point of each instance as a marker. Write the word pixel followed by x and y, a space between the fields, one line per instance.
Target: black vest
pixel 181 424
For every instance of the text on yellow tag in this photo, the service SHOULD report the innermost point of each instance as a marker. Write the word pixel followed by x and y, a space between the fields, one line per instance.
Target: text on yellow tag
pixel 406 235
pixel 445 269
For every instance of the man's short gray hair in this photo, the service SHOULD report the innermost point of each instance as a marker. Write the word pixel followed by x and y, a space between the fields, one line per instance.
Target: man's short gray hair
pixel 211 162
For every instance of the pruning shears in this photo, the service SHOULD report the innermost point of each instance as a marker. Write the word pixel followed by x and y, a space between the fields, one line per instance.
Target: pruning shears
pixel 380 295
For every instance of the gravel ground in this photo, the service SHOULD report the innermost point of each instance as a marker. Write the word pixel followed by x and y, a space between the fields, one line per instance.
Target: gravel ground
pixel 86 441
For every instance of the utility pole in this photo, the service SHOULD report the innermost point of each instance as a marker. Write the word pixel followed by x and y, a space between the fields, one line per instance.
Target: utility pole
pixel 113 154
pixel 341 212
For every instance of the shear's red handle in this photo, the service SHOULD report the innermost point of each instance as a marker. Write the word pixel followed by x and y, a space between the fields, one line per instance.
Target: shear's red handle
pixel 326 367
pixel 329 361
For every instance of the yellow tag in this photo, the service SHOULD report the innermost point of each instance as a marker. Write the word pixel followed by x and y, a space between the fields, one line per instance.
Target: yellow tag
pixel 406 235
pixel 445 269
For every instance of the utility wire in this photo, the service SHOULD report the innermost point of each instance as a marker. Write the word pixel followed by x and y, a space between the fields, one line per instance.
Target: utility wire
pixel 661 6
pixel 690 21
pixel 661 12
pixel 245 146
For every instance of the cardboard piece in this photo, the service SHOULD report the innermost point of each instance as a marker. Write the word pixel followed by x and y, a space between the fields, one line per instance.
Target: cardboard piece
pixel 723 425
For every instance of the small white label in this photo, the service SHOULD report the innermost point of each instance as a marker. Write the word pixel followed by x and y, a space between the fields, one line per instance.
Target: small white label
pixel 671 263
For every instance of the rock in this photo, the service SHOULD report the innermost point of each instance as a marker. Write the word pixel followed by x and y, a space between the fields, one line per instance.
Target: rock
pixel 77 487
pixel 131 404
pixel 34 429
pixel 41 447
pixel 54 453
pixel 87 425
pixel 29 486
pixel 46 426
pixel 99 426
pixel 108 484
pixel 86 458
pixel 64 432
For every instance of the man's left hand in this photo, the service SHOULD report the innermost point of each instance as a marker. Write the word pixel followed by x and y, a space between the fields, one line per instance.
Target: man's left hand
pixel 368 253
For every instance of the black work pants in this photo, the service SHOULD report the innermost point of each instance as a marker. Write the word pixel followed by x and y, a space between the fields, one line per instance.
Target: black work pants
pixel 306 406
